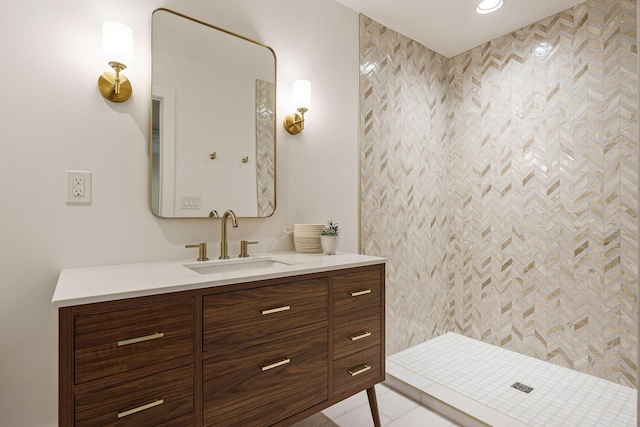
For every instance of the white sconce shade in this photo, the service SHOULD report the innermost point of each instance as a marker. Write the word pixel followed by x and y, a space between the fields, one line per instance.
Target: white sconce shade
pixel 488 6
pixel 302 94
pixel 117 43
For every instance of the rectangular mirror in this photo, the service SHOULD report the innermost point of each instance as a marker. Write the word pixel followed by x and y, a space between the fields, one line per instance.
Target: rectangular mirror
pixel 213 104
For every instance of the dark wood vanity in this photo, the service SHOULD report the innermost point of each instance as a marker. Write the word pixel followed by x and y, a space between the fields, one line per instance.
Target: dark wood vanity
pixel 258 353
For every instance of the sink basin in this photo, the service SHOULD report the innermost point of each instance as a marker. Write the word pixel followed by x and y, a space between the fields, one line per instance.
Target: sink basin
pixel 236 264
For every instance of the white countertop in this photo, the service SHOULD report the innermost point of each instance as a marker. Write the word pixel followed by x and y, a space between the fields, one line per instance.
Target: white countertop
pixel 97 284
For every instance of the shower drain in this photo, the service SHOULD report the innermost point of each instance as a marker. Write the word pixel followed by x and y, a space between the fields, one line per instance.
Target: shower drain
pixel 522 387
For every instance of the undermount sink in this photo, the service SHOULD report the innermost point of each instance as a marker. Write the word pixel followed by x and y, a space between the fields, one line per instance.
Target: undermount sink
pixel 236 264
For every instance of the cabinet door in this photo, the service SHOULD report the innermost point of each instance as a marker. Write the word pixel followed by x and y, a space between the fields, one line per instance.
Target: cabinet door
pixel 112 342
pixel 357 291
pixel 353 335
pixel 357 372
pixel 267 383
pixel 239 316
pixel 159 399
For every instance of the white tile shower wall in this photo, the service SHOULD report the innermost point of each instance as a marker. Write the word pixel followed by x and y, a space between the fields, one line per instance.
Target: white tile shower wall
pixel 502 186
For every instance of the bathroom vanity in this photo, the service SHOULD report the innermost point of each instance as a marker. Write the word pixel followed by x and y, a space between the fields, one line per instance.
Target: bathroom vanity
pixel 261 342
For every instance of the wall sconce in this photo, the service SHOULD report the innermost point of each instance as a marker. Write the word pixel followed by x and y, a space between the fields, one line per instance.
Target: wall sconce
pixel 117 50
pixel 294 122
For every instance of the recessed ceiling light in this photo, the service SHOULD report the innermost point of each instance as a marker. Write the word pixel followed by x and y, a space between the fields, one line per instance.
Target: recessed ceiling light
pixel 488 6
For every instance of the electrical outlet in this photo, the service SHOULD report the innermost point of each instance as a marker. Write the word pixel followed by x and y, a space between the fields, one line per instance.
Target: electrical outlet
pixel 78 187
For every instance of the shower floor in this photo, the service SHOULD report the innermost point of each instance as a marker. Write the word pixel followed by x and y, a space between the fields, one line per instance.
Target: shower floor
pixel 470 382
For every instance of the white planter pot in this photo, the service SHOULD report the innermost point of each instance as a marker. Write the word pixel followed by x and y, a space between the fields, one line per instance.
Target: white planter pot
pixel 329 244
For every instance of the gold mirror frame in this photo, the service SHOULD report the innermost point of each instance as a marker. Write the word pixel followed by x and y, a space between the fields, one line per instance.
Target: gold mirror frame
pixel 261 157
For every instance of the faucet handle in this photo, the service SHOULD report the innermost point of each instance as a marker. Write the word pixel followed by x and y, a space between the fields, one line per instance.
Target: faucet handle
pixel 202 250
pixel 244 250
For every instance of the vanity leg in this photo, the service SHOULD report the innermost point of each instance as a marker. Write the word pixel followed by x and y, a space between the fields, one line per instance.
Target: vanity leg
pixel 373 404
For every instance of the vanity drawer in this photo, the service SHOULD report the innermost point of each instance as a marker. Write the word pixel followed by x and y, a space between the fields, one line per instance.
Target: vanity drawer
pixel 239 316
pixel 357 291
pixel 357 372
pixel 163 399
pixel 117 341
pixel 267 383
pixel 356 335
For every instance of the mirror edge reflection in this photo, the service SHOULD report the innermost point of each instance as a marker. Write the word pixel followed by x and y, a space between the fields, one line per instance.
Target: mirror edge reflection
pixel 151 100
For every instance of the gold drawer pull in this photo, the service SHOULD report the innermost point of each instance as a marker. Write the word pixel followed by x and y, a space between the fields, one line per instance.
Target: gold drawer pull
pixel 359 337
pixel 276 310
pixel 357 294
pixel 364 369
pixel 275 365
pixel 140 408
pixel 140 339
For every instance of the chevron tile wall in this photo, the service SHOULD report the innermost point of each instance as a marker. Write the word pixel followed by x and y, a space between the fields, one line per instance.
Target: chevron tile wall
pixel 502 186
pixel 265 148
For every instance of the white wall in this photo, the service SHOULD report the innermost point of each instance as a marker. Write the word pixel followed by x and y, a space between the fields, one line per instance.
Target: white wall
pixel 52 118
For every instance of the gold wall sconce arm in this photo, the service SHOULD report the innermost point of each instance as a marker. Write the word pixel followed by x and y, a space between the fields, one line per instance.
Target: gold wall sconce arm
pixel 113 85
pixel 294 122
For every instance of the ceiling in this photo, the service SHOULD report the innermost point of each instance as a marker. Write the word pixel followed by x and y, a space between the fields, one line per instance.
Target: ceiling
pixel 450 27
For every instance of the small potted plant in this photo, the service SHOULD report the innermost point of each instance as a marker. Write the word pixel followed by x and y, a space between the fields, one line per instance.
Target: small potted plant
pixel 330 238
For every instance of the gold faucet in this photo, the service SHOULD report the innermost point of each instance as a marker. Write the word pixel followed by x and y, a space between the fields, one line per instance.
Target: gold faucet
pixel 202 253
pixel 244 248
pixel 224 244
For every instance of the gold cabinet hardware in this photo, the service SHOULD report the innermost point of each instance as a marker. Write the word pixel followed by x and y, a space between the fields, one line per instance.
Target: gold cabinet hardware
pixel 361 336
pixel 140 339
pixel 275 365
pixel 213 155
pixel 362 370
pixel 244 248
pixel 202 251
pixel 140 408
pixel 276 310
pixel 357 294
pixel 245 159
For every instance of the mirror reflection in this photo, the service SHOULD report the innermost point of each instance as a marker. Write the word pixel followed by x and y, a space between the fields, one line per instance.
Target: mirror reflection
pixel 213 120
